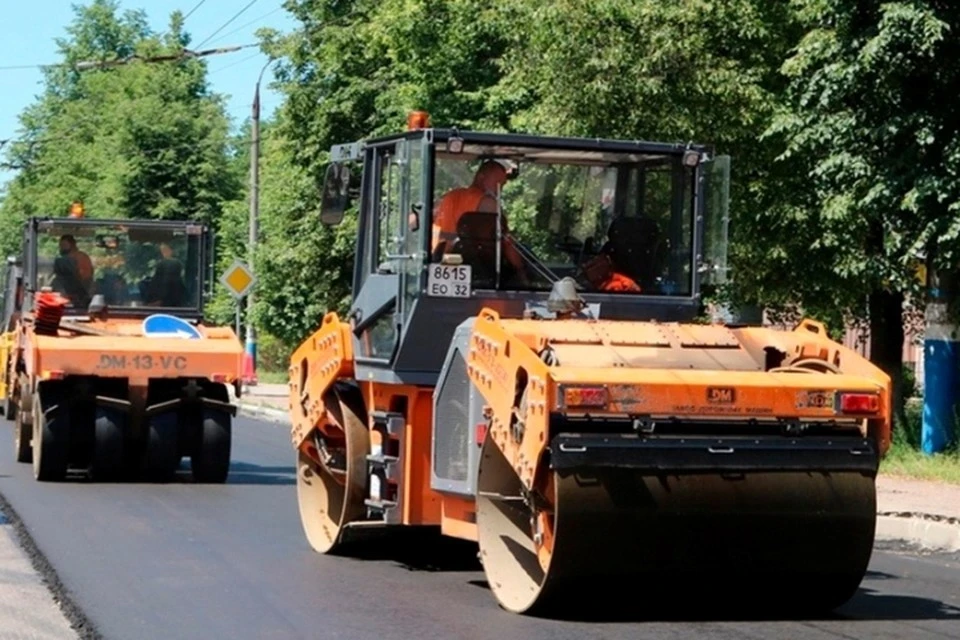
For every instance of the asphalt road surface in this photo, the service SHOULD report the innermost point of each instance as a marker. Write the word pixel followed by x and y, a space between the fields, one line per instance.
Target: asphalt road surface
pixel 230 561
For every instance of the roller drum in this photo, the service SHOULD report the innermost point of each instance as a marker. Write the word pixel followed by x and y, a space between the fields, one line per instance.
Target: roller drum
pixel 626 536
pixel 331 497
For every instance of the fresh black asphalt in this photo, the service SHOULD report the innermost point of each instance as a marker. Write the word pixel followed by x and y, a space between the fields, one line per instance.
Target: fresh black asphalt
pixel 230 561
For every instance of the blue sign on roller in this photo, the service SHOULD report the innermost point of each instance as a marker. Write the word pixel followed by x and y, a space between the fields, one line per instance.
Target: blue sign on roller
pixel 161 325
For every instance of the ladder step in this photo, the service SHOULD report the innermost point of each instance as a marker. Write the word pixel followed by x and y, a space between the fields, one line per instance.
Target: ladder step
pixel 391 421
pixel 380 505
pixel 365 524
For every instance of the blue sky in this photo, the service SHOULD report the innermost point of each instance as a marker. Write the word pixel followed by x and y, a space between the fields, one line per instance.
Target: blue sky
pixel 28 30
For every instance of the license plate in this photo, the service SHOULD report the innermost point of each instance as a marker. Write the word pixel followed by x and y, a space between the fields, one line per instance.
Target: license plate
pixel 449 281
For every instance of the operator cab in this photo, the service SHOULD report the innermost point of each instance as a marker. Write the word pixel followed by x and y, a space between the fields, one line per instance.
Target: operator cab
pixel 130 268
pixel 451 222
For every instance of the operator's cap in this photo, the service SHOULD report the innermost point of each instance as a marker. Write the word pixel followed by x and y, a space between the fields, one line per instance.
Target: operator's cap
pixel 509 166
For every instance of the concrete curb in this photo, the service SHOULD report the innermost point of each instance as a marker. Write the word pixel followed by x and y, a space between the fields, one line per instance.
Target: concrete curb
pixel 932 532
pixel 927 531
pixel 261 412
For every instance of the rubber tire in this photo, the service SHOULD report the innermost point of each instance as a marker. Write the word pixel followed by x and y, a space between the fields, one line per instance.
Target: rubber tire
pixel 51 443
pixel 162 456
pixel 108 462
pixel 210 461
pixel 10 409
pixel 22 439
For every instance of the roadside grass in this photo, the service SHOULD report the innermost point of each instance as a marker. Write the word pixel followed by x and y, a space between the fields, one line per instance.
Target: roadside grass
pixel 906 459
pixel 272 377
pixel 903 460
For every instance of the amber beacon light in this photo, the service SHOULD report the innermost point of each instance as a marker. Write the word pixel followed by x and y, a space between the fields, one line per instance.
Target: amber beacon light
pixel 418 120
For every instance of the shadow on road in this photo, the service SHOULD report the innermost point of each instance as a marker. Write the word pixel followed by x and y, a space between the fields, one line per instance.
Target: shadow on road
pixel 241 473
pixel 879 575
pixel 414 549
pixel 868 604
pixel 249 473
pixel 865 605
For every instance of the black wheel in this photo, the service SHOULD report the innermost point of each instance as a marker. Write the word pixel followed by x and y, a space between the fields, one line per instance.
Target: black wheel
pixel 10 409
pixel 51 439
pixel 108 461
pixel 22 436
pixel 210 462
pixel 162 455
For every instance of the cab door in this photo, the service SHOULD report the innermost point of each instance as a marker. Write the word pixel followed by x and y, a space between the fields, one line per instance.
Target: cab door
pixel 387 265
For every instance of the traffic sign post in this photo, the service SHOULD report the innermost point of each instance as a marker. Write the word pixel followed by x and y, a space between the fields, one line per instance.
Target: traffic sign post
pixel 239 280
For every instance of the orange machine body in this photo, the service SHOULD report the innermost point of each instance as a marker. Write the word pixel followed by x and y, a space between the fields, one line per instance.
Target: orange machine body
pixel 121 350
pixel 604 369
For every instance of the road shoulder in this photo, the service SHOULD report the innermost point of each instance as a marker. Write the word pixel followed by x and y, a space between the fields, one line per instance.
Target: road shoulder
pixel 29 606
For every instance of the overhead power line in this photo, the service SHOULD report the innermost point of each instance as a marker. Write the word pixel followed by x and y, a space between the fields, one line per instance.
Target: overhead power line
pixel 195 7
pixel 245 25
pixel 227 23
pixel 183 54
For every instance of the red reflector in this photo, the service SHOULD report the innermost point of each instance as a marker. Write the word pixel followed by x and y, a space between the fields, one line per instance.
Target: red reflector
pixel 481 432
pixel 859 403
pixel 585 397
pixel 219 377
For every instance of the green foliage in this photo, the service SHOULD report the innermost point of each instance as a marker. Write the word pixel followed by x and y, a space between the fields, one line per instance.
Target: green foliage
pixel 137 140
pixel 868 122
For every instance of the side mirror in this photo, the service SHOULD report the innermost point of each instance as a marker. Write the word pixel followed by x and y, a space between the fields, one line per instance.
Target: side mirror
pixel 336 197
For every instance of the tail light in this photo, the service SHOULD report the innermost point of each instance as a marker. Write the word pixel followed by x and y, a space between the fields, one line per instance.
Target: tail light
pixel 859 403
pixel 585 397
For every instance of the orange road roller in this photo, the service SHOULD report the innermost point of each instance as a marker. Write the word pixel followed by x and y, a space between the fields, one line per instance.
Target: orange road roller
pixel 524 365
pixel 110 370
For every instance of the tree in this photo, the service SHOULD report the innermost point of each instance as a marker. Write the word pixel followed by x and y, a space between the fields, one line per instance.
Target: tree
pixel 137 140
pixel 870 122
pixel 352 70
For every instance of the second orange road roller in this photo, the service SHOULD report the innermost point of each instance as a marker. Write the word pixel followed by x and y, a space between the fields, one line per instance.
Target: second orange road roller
pixel 524 365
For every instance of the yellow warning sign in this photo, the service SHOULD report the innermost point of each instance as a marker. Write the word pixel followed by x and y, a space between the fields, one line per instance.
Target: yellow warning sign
pixel 238 279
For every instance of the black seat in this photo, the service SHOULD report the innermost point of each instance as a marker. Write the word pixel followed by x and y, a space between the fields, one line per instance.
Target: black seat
pixel 633 245
pixel 477 244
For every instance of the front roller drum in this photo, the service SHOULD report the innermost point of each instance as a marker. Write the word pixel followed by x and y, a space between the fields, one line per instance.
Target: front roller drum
pixel 332 495
pixel 623 538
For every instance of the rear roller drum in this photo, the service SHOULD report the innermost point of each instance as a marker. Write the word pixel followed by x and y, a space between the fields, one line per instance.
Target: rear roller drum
pixel 332 495
pixel 162 456
pixel 210 462
pixel 109 462
pixel 615 538
pixel 51 440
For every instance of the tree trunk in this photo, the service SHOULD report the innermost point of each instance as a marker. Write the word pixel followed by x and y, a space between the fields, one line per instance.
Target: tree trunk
pixel 886 342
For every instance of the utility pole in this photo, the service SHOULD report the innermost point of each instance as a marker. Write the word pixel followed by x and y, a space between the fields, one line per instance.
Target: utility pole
pixel 250 350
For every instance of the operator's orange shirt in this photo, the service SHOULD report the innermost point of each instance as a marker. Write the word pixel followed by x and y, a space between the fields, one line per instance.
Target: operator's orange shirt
pixel 457 202
pixel 452 205
pixel 619 282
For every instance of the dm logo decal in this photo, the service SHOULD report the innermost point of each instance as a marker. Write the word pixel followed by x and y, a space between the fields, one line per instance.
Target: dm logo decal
pixel 721 395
